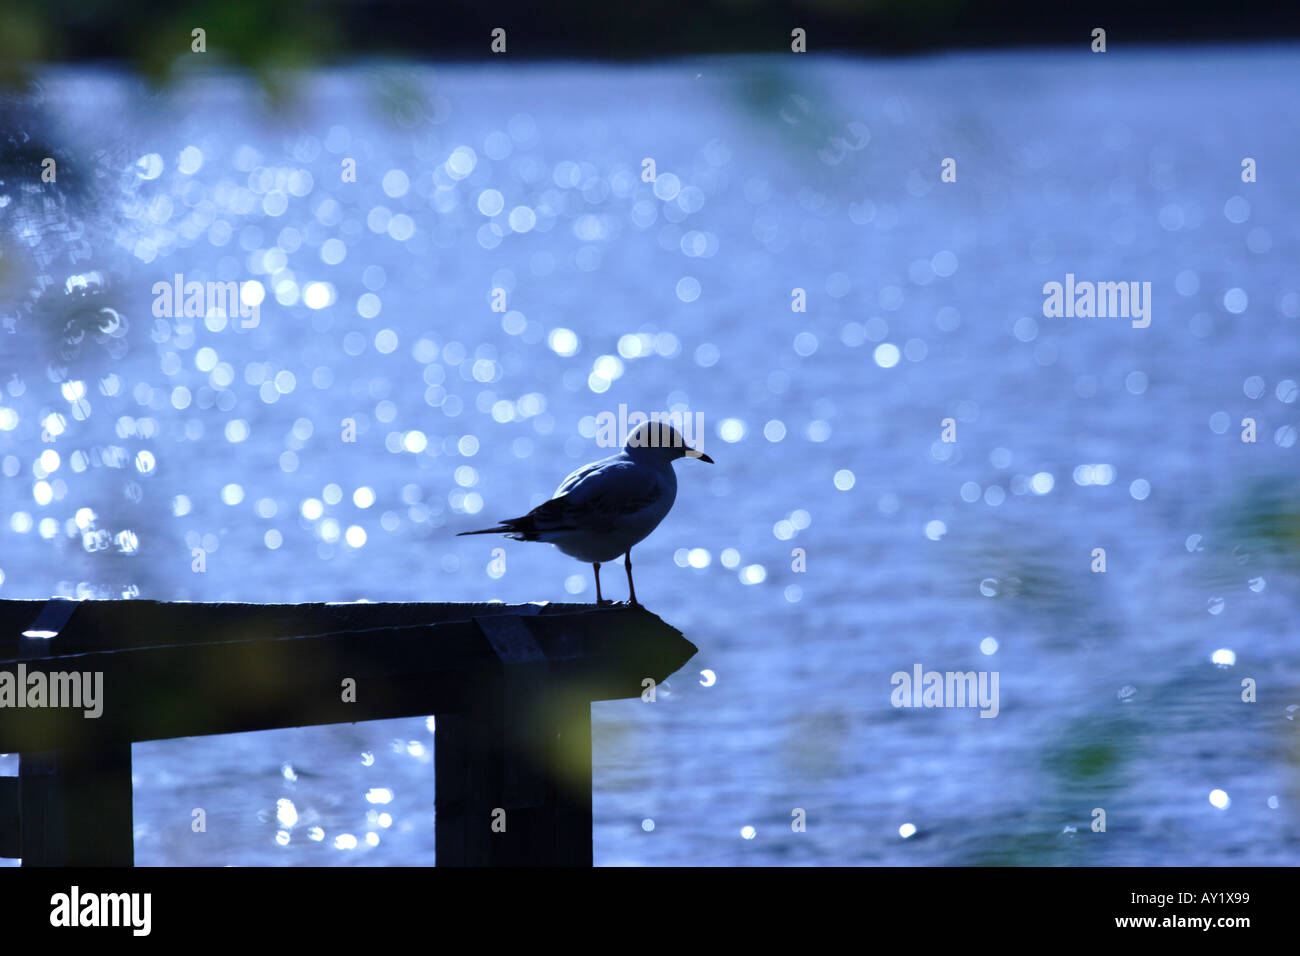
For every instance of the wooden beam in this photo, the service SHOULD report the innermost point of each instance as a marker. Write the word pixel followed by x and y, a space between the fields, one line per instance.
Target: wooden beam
pixel 193 688
pixel 103 625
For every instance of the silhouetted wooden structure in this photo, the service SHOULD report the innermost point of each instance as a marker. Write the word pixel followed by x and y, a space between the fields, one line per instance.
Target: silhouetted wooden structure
pixel 511 686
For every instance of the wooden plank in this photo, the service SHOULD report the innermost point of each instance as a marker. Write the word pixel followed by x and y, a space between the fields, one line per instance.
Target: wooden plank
pixel 102 625
pixel 183 690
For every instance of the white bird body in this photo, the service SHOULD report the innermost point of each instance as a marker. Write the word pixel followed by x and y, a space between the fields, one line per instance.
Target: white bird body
pixel 604 508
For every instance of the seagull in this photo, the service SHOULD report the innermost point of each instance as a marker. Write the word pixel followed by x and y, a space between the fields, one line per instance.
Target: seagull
pixel 601 510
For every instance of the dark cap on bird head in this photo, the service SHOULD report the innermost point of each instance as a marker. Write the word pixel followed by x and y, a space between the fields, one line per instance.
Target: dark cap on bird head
pixel 663 437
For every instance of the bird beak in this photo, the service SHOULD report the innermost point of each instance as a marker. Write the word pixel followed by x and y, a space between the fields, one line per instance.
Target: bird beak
pixel 692 453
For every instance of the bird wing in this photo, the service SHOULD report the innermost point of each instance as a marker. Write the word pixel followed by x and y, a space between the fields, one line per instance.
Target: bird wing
pixel 577 476
pixel 597 495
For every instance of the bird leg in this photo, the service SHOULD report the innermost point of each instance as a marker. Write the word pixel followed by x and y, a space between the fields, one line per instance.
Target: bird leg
pixel 627 563
pixel 597 567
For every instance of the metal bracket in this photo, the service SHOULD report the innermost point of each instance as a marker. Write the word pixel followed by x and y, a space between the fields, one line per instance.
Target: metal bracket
pixel 511 639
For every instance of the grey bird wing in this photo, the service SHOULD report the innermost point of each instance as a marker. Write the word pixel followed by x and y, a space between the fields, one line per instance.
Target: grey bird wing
pixel 597 495
pixel 578 475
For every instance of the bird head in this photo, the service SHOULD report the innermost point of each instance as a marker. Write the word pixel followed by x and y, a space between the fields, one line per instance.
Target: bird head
pixel 661 440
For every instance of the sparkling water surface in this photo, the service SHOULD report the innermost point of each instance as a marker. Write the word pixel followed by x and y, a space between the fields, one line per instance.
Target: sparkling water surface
pixel 924 302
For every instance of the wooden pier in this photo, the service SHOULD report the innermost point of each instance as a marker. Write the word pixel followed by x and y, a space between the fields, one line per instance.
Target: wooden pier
pixel 511 686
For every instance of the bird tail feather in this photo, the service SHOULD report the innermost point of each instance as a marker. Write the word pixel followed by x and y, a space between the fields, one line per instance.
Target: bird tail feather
pixel 521 529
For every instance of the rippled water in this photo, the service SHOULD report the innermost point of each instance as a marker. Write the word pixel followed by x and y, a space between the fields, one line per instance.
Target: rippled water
pixel 924 302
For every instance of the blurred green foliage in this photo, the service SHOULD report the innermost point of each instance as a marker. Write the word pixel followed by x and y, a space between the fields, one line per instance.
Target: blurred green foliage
pixel 262 38
pixel 269 38
pixel 1264 518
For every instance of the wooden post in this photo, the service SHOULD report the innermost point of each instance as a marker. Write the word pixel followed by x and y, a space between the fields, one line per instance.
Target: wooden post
pixel 473 754
pixel 75 806
pixel 11 821
pixel 513 772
